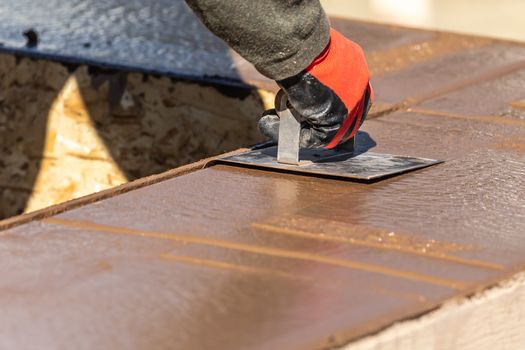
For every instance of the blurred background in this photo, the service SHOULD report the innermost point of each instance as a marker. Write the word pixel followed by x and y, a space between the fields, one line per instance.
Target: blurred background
pixel 493 18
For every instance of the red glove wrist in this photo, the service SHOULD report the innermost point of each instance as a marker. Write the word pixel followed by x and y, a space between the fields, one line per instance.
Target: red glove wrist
pixel 342 68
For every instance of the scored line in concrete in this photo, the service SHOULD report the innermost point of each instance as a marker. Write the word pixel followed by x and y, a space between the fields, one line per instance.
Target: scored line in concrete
pixel 228 266
pixel 357 242
pixel 493 119
pixel 283 253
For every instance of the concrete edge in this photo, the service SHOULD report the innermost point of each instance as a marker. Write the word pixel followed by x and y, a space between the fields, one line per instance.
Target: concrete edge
pixel 96 197
pixel 493 318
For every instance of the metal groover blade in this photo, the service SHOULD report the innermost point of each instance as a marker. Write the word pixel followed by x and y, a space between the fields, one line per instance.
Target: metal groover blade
pixel 289 132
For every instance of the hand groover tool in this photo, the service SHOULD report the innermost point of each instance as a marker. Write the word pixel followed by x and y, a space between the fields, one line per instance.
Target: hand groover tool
pixel 348 161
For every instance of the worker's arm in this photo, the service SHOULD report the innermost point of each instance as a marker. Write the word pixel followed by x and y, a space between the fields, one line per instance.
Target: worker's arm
pixel 324 74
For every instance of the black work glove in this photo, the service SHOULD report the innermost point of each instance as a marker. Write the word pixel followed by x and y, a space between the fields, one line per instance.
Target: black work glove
pixel 333 95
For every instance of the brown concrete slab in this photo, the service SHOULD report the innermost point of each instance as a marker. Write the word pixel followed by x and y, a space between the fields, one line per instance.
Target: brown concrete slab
pixel 481 179
pixel 499 96
pixel 255 259
pixel 422 81
pixel 142 292
pixel 231 227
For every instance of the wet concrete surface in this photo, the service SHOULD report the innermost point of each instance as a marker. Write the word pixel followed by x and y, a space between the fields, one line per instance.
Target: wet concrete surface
pixel 493 97
pixel 447 71
pixel 255 259
pixel 144 293
pixel 234 258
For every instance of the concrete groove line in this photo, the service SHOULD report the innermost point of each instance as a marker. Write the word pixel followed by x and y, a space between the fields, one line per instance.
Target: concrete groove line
pixel 494 119
pixel 383 112
pixel 277 252
pixel 409 102
pixel 357 242
pixel 217 264
pixel 464 83
pixel 397 58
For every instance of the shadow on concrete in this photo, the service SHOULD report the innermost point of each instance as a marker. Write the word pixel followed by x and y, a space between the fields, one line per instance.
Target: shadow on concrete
pixel 364 142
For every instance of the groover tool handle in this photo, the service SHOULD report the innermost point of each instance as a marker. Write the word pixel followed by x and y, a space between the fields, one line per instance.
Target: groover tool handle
pixel 289 131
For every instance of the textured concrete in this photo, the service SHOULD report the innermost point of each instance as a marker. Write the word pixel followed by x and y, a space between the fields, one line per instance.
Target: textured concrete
pixel 263 260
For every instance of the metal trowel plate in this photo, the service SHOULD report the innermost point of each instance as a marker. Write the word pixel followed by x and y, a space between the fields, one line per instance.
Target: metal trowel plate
pixel 333 163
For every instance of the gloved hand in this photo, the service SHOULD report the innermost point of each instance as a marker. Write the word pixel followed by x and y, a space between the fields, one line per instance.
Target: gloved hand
pixel 333 95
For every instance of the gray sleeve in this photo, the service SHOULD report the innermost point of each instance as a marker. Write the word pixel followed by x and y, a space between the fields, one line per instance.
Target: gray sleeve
pixel 280 37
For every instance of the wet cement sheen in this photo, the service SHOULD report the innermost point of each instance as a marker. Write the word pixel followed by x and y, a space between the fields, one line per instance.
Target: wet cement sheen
pixel 235 258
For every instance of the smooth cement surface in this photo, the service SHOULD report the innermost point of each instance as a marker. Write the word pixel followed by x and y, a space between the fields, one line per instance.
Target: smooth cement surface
pixel 231 258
